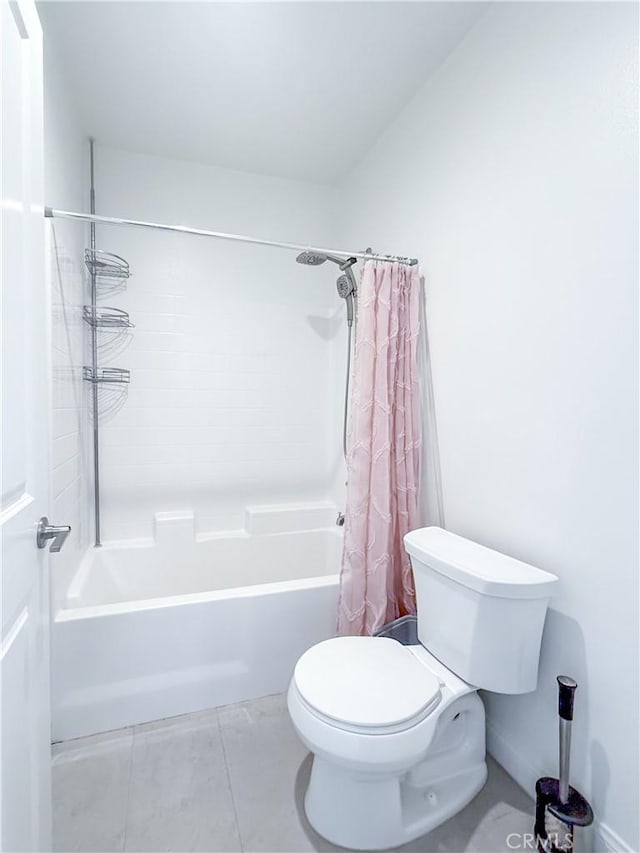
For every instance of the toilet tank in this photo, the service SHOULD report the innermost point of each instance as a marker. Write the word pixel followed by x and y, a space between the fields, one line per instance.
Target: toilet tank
pixel 480 612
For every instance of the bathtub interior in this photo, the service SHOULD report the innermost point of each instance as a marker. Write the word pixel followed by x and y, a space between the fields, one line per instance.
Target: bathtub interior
pixel 117 574
pixel 177 562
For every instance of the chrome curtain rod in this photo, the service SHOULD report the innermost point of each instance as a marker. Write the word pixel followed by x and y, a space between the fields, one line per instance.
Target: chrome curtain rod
pixel 54 213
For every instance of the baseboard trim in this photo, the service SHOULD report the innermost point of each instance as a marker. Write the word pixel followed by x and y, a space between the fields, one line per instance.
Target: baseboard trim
pixel 603 838
pixel 524 773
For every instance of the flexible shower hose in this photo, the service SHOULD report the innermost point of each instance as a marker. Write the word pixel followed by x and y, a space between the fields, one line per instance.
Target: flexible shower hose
pixel 346 395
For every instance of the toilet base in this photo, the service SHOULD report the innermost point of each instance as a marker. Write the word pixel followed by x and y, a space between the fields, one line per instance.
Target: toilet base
pixel 373 814
pixel 373 811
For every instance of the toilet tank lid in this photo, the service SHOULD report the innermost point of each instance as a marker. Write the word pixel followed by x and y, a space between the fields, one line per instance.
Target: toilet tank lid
pixel 476 567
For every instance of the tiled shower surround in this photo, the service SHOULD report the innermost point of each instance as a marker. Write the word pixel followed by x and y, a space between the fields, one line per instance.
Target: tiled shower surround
pixel 231 357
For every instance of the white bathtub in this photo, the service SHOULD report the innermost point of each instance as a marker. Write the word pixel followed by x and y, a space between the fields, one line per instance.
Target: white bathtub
pixel 157 629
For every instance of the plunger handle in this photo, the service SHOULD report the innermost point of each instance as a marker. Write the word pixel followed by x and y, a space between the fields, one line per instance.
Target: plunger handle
pixel 566 690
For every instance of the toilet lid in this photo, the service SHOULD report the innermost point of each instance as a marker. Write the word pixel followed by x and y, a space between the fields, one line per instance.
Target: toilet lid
pixel 366 681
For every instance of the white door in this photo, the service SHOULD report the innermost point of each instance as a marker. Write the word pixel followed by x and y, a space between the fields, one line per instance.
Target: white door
pixel 24 478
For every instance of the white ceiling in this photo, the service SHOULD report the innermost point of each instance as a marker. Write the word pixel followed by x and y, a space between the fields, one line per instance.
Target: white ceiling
pixel 298 89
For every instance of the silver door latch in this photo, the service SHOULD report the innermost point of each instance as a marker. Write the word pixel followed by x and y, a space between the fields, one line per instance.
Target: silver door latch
pixel 57 534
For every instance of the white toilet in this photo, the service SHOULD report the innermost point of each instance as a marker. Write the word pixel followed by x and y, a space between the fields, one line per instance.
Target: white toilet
pixel 398 732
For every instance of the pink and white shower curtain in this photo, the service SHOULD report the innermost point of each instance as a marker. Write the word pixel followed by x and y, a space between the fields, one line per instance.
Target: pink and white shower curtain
pixel 383 459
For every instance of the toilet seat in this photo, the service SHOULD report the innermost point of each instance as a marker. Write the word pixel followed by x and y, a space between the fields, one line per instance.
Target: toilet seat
pixel 369 685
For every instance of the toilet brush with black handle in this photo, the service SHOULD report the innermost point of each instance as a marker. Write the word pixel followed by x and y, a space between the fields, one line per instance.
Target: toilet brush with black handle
pixel 559 807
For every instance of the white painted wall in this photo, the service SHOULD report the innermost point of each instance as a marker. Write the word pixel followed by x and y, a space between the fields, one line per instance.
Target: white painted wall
pixel 65 172
pixel 513 176
pixel 230 398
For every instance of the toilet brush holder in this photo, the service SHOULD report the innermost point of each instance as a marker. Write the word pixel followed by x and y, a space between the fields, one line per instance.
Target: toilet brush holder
pixel 559 807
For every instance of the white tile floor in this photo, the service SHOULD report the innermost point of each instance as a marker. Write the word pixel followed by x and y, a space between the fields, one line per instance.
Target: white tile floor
pixel 228 780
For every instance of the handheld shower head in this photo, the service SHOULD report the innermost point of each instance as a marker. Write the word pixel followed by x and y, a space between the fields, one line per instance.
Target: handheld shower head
pixel 346 290
pixel 344 286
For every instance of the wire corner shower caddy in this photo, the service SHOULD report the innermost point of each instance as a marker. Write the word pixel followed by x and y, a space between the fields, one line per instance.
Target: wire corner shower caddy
pixel 107 271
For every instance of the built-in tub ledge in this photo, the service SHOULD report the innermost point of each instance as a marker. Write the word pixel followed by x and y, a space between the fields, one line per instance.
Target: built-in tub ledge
pixel 287 518
pixel 179 527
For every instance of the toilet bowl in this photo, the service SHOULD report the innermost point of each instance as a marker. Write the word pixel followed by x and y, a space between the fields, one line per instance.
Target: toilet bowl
pixel 385 772
pixel 398 732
